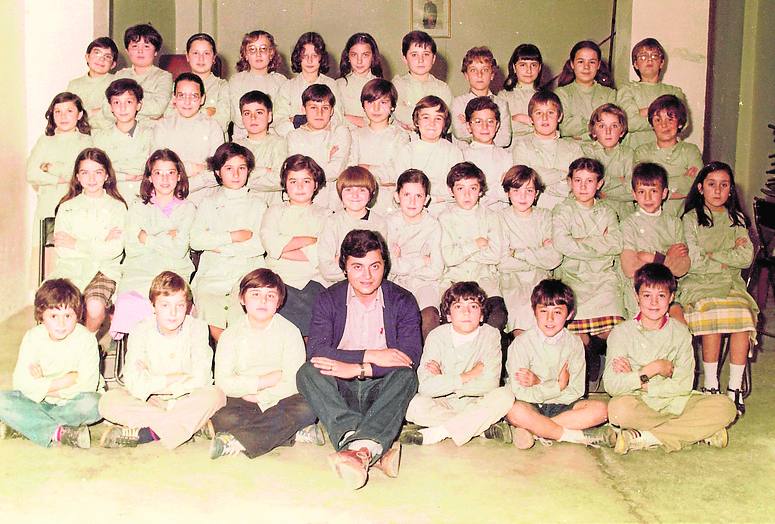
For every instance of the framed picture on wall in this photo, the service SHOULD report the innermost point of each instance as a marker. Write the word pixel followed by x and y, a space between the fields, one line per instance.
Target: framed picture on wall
pixel 431 16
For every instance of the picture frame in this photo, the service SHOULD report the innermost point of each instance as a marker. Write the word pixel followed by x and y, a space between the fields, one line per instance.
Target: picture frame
pixel 432 16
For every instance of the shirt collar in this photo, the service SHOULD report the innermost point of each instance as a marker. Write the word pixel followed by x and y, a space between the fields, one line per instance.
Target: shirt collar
pixel 169 208
pixel 656 213
pixel 378 300
pixel 640 324
pixel 556 339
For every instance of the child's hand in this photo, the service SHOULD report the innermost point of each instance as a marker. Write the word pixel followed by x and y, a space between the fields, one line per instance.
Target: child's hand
pixel 210 111
pixel 547 242
pixel 677 250
pixel 426 260
pixel 196 169
pixel 621 365
pixel 526 378
pixel 741 241
pixel 62 239
pixel 473 372
pixel 357 121
pixel 172 233
pixel 482 242
pixel 133 178
pixel 522 118
pixel 645 257
pixel 142 236
pixel 333 152
pixel 45 166
pixel 644 112
pixel 396 249
pixel 241 235
pixel 113 234
pixel 433 367
pixel 461 118
pixel 603 194
pixel 564 377
pixel 605 231
pixel 691 172
pixel 36 371
pixel 405 127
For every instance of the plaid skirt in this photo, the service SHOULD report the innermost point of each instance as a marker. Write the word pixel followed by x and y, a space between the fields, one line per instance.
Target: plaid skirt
pixel 594 326
pixel 100 287
pixel 731 314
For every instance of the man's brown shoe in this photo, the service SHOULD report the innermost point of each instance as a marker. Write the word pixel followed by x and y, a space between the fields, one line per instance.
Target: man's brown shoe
pixel 352 466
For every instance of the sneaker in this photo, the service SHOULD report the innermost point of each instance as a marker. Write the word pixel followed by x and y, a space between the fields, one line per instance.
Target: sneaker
pixel 710 391
pixel 600 437
pixel 500 431
pixel 630 440
pixel 522 438
pixel 7 432
pixel 225 444
pixel 206 432
pixel 120 437
pixel 410 435
pixel 75 437
pixel 352 466
pixel 312 434
pixel 736 396
pixel 719 439
pixel 390 461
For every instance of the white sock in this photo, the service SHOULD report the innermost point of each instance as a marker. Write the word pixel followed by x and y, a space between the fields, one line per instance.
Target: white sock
pixel 375 448
pixel 649 439
pixel 736 376
pixel 710 370
pixel 571 435
pixel 433 435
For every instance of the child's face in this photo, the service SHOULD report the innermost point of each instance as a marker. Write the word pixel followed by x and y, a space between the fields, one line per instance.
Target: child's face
pixel 259 54
pixel 91 175
pixel 141 53
pixel 665 126
pixel 466 192
pixel 125 107
pixel 419 59
pixel 545 118
pixel 430 123
pixel 379 110
pixel 584 184
pixel 164 177
pixel 234 173
pixel 585 66
pixel 300 186
pixel 318 114
pixel 411 199
pixel 551 319
pixel 66 116
pixel 59 322
pixel 100 60
pixel 200 57
pixel 310 60
pixel 170 312
pixel 355 198
pixel 256 118
pixel 523 197
pixel 483 126
pixel 608 130
pixel 527 71
pixel 650 197
pixel 465 315
pixel 715 189
pixel 261 304
pixel 360 56
pixel 188 98
pixel 649 63
pixel 479 74
pixel 654 302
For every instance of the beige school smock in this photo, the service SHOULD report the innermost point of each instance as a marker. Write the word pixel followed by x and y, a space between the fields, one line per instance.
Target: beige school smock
pixel 676 160
pixel 494 161
pixel 91 91
pixel 60 151
pixel 245 353
pixel 335 228
pixel 545 358
pixel 76 352
pixel 216 95
pixel 617 186
pixel 157 91
pixel 409 269
pixel 270 152
pixel 245 81
pixel 518 100
pixel 589 257
pixel 463 259
pixel 410 91
pixel 288 102
pixel 160 252
pixel 435 159
pixel 281 223
pixel 636 95
pixel 550 159
pixel 89 220
pixel 128 153
pixel 526 262
pixel 378 149
pixel 578 104
pixel 460 129
pixel 350 88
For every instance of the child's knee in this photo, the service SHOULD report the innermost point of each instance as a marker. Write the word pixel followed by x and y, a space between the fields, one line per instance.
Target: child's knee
pixel 620 410
pixel 95 307
pixel 518 412
pixel 501 398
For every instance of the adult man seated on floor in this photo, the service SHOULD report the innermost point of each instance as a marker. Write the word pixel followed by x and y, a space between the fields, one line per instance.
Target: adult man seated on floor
pixel 364 347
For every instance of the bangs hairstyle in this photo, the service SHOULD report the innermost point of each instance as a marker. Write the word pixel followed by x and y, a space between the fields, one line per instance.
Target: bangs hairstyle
pixel 320 48
pixel 420 38
pixel 57 293
pixel 250 38
pixel 83 123
pixel 124 85
pixel 378 88
pixel 265 278
pixel 432 102
pixel 162 155
pixel 695 200
pixel 256 97
pixel 587 164
pixel 303 163
pixel 204 37
pixel 169 283
pixel 649 174
pixel 655 275
pixel 143 32
pixel 523 52
pixel 414 176
pixel 189 77
pixel 481 103
pixel 544 96
pixel 553 292
pixel 478 54
pixel 226 152
pixel 463 170
pixel 674 107
pixel 609 109
pixel 356 176
pixel 318 93
pixel 647 44
pixel 358 242
pixel 360 38
pixel 462 291
pixel 519 175
pixel 75 188
pixel 603 76
pixel 103 42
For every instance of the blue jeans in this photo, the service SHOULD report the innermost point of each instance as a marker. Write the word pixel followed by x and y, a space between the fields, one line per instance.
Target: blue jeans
pixel 38 420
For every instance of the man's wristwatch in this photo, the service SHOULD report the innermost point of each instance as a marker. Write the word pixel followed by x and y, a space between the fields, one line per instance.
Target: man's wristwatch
pixel 362 374
pixel 644 379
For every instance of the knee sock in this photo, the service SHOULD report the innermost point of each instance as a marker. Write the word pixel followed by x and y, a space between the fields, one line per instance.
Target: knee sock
pixel 736 376
pixel 434 435
pixel 710 372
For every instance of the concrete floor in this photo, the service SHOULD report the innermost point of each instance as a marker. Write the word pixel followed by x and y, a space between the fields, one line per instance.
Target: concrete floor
pixel 480 482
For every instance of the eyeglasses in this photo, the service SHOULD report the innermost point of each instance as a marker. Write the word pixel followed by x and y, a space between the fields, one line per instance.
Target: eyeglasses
pixel 253 50
pixel 643 57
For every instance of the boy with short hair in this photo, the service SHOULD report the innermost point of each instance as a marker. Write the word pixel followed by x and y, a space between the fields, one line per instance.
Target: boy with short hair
pixel 419 55
pixel 142 43
pixel 101 54
pixel 127 142
pixel 479 68
pixel 56 376
pixel 649 373
pixel 546 370
pixel 255 366
pixel 472 241
pixel 318 139
pixel 169 393
pixel 544 150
